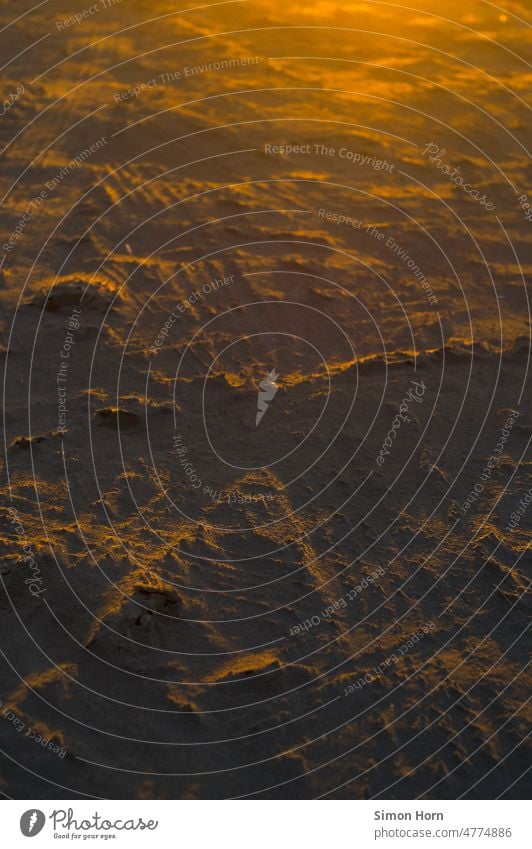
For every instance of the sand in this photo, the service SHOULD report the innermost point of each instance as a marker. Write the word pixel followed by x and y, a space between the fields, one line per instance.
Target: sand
pixel 322 208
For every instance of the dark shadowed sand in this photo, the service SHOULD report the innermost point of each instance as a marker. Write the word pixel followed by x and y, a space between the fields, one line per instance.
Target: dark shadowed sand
pixel 331 602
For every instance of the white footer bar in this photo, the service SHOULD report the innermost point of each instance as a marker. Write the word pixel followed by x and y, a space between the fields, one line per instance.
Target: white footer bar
pixel 267 824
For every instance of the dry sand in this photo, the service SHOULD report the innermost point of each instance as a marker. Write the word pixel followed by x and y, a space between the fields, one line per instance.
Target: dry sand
pixel 187 623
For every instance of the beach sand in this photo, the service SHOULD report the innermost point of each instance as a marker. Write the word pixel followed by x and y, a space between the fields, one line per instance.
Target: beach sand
pixel 331 603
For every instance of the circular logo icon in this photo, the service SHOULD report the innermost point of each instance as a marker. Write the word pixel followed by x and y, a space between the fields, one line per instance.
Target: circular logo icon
pixel 32 822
